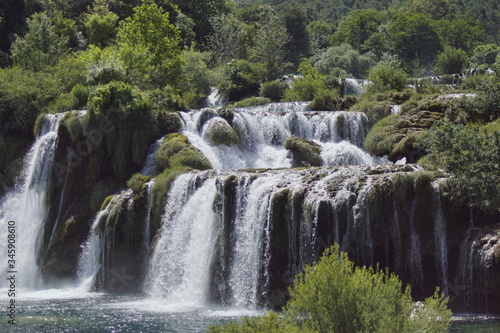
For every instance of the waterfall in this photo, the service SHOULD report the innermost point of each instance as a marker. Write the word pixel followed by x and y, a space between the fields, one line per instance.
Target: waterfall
pixel 149 168
pixel 27 205
pixel 440 239
pixel 354 86
pixel 262 135
pixel 179 265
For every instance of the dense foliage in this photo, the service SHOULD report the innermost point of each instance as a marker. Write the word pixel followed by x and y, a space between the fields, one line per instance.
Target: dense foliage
pixel 336 296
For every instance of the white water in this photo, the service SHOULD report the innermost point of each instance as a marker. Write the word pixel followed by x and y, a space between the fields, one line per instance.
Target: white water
pixel 262 135
pixel 440 239
pixel 179 265
pixel 149 168
pixel 27 207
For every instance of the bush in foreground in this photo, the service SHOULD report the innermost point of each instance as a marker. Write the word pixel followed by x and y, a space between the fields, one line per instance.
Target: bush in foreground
pixel 336 296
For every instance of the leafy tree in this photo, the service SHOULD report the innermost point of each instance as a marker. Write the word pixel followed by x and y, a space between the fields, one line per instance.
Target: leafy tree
pixel 335 296
pixel 202 12
pixel 471 157
pixel 100 23
pixel 196 77
pixel 306 87
pixel 415 39
pixel 149 47
pixel 437 9
pixel 464 34
pixel 41 46
pixel 451 61
pixel 485 55
pixel 385 77
pixel 270 48
pixel 224 42
pixel 346 60
pixel 319 36
pixel 295 18
pixel 357 28
pixel 23 95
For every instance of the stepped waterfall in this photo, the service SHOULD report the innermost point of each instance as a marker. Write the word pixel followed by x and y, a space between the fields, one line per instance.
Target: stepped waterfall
pixel 234 236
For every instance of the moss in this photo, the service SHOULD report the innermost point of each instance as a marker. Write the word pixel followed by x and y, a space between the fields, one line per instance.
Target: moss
pixel 491 128
pixel 176 152
pixel 159 193
pixel 221 133
pixel 137 181
pixel 168 122
pixel 379 141
pixel 304 151
pixel 106 201
pixel 252 101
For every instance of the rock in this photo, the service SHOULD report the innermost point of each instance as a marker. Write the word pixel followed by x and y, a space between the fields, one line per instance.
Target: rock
pixel 220 132
pixel 305 152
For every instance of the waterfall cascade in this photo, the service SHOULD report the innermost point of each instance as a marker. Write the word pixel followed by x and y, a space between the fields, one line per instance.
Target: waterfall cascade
pixel 27 205
pixel 236 235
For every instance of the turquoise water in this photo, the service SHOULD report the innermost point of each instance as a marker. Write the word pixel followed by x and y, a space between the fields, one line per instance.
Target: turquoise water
pixel 70 311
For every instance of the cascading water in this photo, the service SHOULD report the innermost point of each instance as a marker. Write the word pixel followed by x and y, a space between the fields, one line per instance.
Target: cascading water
pixel 262 135
pixel 27 205
pixel 440 239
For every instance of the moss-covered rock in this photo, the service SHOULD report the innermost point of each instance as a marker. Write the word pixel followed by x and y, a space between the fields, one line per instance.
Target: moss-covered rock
pixel 221 133
pixel 176 152
pixel 305 152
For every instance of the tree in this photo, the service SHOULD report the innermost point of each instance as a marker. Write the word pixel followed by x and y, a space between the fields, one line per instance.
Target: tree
pixel 471 157
pixel 451 61
pixel 319 36
pixel 225 41
pixel 100 23
pixel 385 76
pixel 336 296
pixel 41 46
pixel 270 48
pixel 357 28
pixel 345 59
pixel 415 39
pixel 295 18
pixel 464 34
pixel 485 55
pixel 149 47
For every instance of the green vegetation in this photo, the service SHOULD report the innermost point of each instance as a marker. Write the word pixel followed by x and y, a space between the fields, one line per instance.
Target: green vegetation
pixel 336 296
pixel 305 152
pixel 176 152
pixel 221 133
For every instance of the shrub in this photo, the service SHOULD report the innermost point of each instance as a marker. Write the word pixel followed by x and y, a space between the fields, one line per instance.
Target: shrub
pixel 307 86
pixel 326 100
pixel 385 77
pixel 335 296
pixel 116 96
pixel 176 152
pixel 274 90
pixel 252 101
pixel 451 61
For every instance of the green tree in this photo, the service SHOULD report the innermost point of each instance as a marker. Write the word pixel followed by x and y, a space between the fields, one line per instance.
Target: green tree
pixel 451 61
pixel 305 88
pixel 415 39
pixel 464 34
pixel 385 77
pixel 357 28
pixel 319 36
pixel 485 55
pixel 295 18
pixel 270 48
pixel 471 157
pixel 224 42
pixel 335 296
pixel 149 47
pixel 344 60
pixel 41 46
pixel 100 23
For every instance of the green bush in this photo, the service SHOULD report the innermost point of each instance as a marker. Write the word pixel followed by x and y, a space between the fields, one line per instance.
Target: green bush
pixel 176 152
pixel 116 96
pixel 378 141
pixel 335 296
pixel 136 182
pixel 252 101
pixel 306 87
pixel 326 100
pixel 386 77
pixel 241 78
pixel 274 90
pixel 451 61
